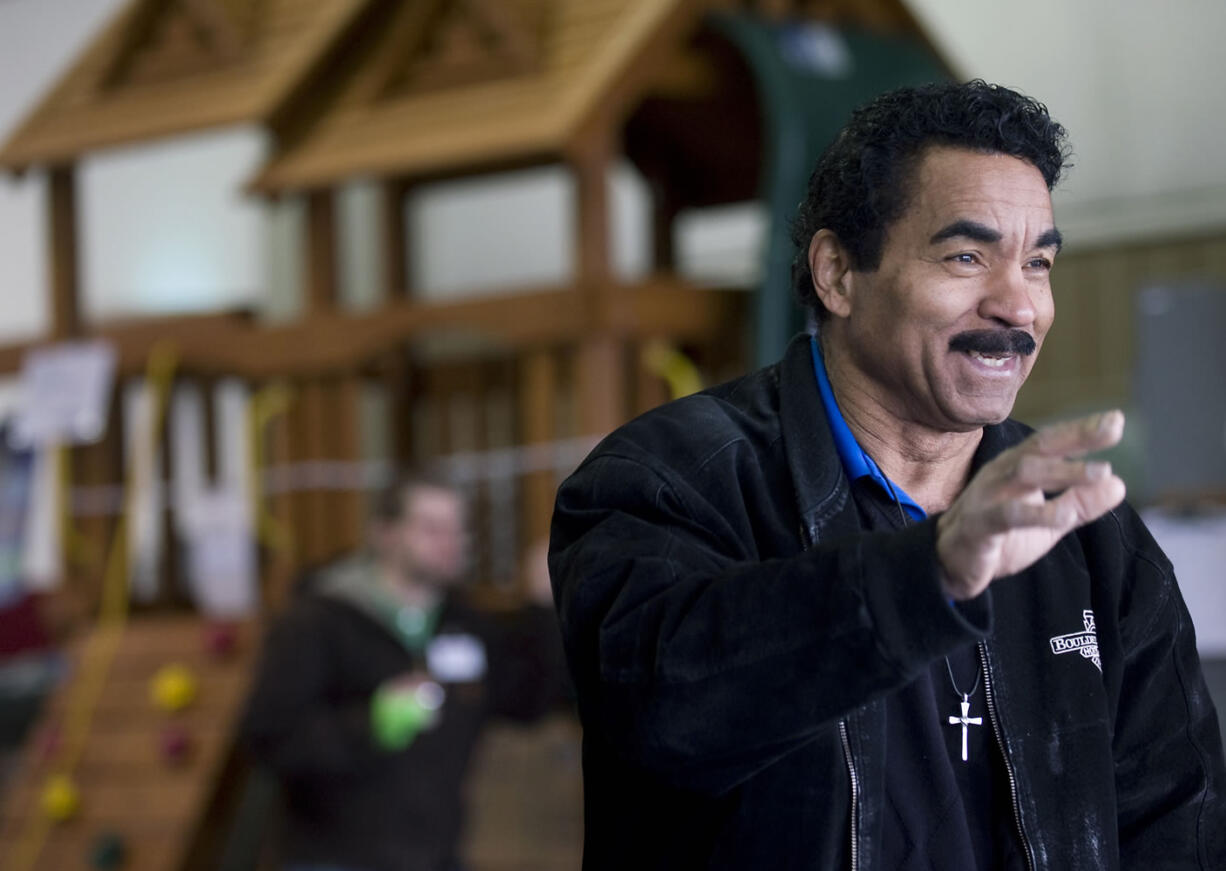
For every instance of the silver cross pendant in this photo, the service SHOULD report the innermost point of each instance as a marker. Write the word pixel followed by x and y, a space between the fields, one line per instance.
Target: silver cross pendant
pixel 964 721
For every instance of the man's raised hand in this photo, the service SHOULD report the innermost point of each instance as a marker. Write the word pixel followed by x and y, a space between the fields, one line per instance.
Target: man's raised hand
pixel 1002 522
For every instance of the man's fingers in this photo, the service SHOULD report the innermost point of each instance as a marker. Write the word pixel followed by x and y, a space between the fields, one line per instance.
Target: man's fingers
pixel 1036 471
pixel 1091 501
pixel 1076 506
pixel 1015 514
pixel 1076 437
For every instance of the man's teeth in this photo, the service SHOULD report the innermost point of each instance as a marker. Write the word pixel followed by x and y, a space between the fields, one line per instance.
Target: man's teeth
pixel 994 362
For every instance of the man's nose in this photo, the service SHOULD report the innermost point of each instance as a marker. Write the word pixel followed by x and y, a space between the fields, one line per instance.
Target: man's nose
pixel 1009 299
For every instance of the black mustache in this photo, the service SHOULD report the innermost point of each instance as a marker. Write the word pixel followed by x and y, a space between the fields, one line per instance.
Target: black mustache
pixel 996 342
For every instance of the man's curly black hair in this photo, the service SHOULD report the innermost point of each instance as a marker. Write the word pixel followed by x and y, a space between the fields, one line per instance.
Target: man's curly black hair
pixel 861 183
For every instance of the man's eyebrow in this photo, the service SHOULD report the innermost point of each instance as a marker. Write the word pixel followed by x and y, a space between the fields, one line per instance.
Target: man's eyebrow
pixel 1052 238
pixel 965 229
pixel 976 232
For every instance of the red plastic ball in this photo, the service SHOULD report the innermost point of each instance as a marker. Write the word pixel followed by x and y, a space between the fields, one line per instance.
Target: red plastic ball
pixel 176 745
pixel 220 639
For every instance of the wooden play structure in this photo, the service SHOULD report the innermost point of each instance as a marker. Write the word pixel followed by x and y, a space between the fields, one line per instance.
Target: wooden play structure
pixel 508 389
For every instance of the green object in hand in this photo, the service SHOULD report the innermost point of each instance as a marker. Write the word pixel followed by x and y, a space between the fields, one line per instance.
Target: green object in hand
pixel 397 715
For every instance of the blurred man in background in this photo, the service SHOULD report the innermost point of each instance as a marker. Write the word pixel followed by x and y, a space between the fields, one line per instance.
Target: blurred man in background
pixel 374 686
pixel 843 613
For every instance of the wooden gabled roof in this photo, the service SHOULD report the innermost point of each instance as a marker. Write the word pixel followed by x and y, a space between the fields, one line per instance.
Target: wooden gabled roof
pixel 451 85
pixel 164 67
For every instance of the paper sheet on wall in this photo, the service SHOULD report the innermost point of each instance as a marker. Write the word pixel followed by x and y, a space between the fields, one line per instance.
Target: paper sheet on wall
pixel 65 394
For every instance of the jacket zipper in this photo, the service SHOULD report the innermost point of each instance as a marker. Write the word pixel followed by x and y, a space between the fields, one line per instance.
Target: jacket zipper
pixel 1000 742
pixel 806 540
pixel 855 793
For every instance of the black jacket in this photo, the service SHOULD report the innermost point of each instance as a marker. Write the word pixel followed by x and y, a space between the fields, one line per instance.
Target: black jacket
pixel 349 802
pixel 732 632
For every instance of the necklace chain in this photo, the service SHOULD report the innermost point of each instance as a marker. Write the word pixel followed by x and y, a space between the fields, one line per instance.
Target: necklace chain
pixel 978 677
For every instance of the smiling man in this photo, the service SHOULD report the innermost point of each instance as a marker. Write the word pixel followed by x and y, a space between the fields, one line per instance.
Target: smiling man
pixel 843 612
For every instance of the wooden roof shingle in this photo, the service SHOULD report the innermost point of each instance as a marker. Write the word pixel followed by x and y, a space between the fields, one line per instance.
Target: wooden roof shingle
pixel 164 67
pixel 584 51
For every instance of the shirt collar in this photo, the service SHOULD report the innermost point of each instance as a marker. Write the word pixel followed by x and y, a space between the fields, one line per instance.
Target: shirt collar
pixel 856 463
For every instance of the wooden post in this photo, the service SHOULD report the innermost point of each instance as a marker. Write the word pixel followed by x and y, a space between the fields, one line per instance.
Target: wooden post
pixel 399 380
pixel 592 193
pixel 282 564
pixel 319 530
pixel 313 529
pixel 349 504
pixel 395 241
pixel 321 282
pixel 87 463
pixel 63 252
pixel 599 377
pixel 468 426
pixel 98 465
pixel 172 577
pixel 663 214
pixel 650 389
pixel 538 390
pixel 294 440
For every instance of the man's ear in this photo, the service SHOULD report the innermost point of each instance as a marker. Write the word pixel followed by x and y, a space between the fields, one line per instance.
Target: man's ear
pixel 830 265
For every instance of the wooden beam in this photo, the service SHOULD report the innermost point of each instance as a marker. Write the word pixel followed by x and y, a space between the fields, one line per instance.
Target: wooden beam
pixel 134 339
pixel 606 107
pixel 214 23
pixel 668 308
pixel 336 341
pixel 321 275
pixel 63 251
pixel 139 22
pixel 516 28
pixel 404 38
pixel 685 75
pixel 662 305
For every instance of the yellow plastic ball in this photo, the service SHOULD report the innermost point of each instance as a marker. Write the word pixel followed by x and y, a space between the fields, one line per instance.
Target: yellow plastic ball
pixel 60 798
pixel 173 688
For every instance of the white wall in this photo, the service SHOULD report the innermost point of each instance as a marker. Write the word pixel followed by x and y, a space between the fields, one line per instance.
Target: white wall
pixel 515 230
pixel 38 38
pixel 166 227
pixel 1137 83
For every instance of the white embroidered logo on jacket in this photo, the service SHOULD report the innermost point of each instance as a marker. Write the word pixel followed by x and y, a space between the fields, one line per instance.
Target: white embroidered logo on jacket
pixel 1085 642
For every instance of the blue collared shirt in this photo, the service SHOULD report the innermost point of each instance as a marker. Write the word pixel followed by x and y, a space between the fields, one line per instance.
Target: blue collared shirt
pixel 856 463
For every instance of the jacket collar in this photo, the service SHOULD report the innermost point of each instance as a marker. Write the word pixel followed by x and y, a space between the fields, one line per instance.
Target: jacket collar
pixel 823 495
